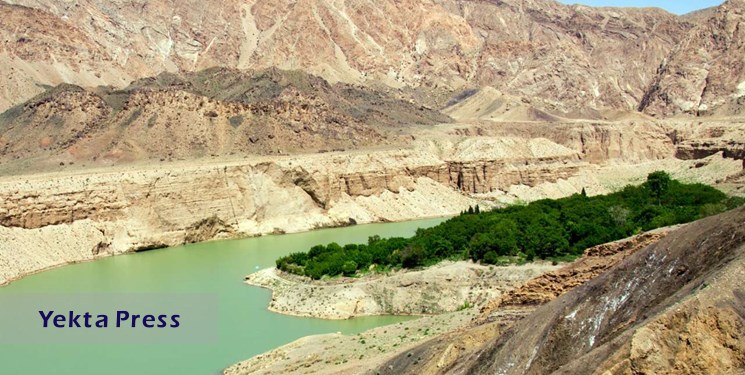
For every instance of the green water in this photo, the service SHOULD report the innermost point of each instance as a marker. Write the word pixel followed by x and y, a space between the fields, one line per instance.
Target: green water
pixel 246 328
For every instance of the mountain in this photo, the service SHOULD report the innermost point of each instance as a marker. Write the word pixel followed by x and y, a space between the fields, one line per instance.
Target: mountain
pixel 130 80
pixel 675 307
pixel 573 60
pixel 705 73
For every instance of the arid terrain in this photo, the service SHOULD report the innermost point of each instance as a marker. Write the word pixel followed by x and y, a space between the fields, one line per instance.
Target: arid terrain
pixel 565 59
pixel 94 212
pixel 657 311
pixel 133 125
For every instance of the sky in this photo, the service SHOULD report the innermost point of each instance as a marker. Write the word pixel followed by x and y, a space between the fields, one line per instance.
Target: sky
pixel 672 6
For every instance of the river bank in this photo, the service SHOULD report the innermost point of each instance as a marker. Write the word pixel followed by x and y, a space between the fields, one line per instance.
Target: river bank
pixel 56 218
pixel 443 288
pixel 246 327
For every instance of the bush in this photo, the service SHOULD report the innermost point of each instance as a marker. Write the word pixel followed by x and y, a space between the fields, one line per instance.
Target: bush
pixel 491 258
pixel 349 268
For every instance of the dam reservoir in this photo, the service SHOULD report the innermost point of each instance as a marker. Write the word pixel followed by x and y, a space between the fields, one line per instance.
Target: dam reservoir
pixel 246 327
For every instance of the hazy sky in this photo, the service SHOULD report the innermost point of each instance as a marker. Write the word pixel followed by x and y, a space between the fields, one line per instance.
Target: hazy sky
pixel 673 6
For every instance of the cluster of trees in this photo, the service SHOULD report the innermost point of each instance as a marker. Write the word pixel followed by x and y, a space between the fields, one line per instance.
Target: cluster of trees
pixel 544 229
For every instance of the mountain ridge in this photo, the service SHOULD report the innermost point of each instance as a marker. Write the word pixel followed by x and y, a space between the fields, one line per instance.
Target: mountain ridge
pixel 564 57
pixel 218 111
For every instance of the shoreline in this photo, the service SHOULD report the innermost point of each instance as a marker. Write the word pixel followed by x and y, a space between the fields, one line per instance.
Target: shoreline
pixel 462 329
pixel 6 282
pixel 443 288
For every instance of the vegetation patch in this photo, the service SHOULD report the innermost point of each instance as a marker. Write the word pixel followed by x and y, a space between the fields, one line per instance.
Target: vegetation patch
pixel 557 230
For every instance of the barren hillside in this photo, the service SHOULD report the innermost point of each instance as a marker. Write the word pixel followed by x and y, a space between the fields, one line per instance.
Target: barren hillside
pixel 705 73
pixel 574 60
pixel 216 112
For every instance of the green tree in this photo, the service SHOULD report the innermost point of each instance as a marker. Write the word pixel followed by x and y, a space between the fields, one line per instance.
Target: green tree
pixel 658 182
pixel 619 214
pixel 441 248
pixel 545 238
pixel 412 256
pixel 545 228
pixel 501 239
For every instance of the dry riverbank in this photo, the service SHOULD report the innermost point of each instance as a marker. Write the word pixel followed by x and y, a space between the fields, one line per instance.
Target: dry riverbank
pixel 443 288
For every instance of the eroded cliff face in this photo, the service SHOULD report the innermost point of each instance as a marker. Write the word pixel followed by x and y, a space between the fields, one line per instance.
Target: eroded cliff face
pixel 704 74
pixel 130 208
pixel 134 209
pixel 698 140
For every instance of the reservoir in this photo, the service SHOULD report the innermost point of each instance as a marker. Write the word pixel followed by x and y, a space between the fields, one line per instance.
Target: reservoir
pixel 246 327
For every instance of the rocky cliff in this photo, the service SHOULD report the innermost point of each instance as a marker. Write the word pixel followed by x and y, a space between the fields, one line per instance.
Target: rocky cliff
pixel 134 207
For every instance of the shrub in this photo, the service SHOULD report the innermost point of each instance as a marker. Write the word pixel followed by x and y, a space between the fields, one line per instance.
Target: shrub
pixel 349 268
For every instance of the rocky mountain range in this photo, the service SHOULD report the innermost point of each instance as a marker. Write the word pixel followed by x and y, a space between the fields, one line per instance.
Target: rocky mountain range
pixel 569 60
pixel 704 73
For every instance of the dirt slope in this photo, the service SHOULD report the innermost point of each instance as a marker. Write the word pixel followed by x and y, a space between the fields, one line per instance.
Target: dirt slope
pixel 655 312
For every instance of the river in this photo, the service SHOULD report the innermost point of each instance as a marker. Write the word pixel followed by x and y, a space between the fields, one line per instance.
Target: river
pixel 246 327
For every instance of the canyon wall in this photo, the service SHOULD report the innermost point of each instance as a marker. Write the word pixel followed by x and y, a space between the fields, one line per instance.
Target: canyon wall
pixel 57 218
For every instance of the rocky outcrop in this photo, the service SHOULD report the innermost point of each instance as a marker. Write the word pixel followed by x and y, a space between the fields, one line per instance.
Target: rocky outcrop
pixel 39 49
pixel 699 140
pixel 216 112
pixel 596 260
pixel 566 57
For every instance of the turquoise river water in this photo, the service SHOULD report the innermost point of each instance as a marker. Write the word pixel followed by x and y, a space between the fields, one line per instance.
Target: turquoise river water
pixel 246 327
